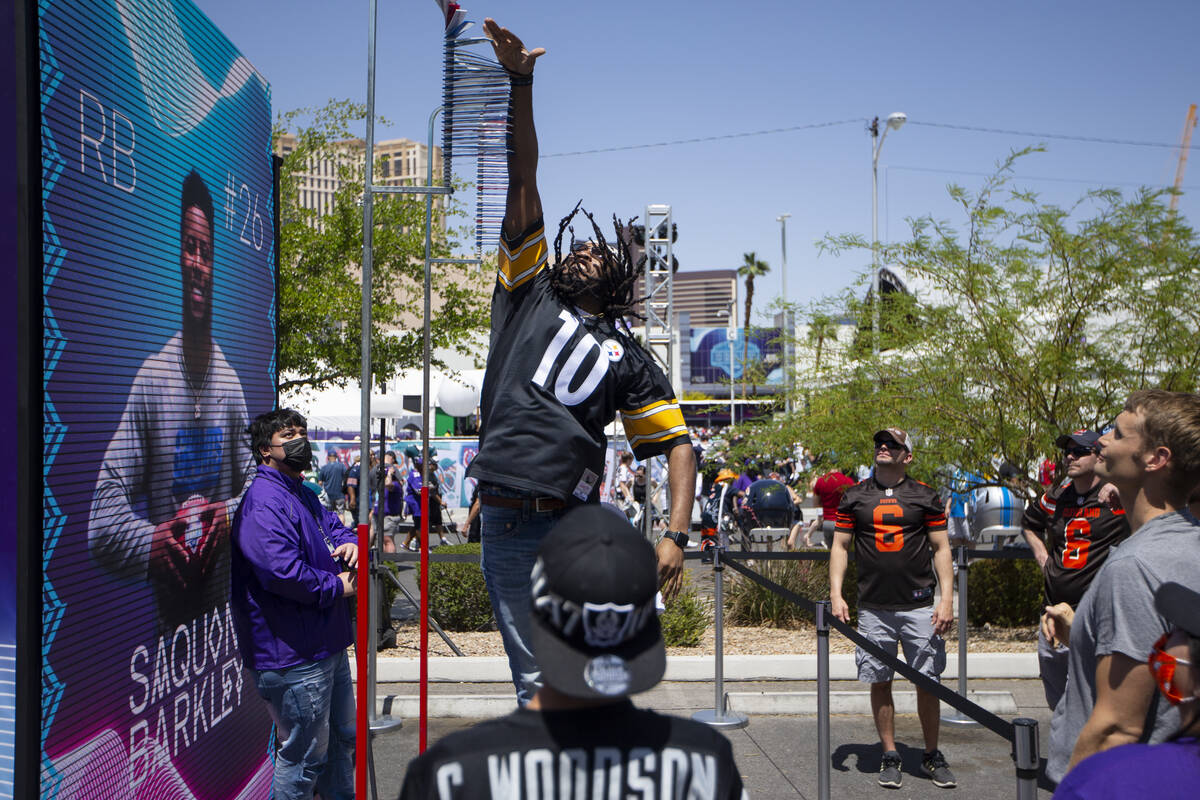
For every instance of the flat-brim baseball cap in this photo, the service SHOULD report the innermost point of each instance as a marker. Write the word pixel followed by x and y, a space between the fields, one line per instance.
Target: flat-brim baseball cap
pixel 595 627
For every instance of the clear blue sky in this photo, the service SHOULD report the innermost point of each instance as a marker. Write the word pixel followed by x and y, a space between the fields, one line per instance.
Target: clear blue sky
pixel 628 73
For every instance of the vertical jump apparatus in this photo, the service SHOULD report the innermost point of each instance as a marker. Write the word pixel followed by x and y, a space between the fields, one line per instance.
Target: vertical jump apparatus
pixel 475 105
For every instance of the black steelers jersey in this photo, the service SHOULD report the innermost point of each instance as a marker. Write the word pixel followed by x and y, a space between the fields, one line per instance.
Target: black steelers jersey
pixel 890 529
pixel 556 376
pixel 1078 530
pixel 615 750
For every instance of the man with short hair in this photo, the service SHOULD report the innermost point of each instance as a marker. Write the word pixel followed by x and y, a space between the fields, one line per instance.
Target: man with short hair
pixel 333 477
pixel 292 571
pixel 562 363
pixel 175 469
pixel 1070 531
pixel 1152 456
pixel 391 501
pixel 893 522
pixel 597 638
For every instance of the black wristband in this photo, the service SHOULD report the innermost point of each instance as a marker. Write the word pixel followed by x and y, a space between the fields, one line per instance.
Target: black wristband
pixel 518 79
pixel 680 538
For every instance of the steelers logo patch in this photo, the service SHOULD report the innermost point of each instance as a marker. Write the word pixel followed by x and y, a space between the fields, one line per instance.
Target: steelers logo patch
pixel 613 349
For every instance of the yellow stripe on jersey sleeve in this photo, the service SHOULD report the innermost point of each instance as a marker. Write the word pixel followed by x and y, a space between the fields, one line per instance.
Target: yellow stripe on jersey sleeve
pixel 518 266
pixel 656 422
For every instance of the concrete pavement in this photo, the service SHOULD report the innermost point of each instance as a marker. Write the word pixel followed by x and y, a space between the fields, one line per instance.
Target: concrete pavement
pixel 776 753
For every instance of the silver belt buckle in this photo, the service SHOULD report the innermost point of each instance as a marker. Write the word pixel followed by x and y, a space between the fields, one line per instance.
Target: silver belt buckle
pixel 537 504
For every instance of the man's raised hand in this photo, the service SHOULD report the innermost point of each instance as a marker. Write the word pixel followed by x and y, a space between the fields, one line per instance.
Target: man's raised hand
pixel 510 52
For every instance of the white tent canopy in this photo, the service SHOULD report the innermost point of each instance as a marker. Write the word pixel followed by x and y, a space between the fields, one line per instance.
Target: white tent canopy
pixel 339 408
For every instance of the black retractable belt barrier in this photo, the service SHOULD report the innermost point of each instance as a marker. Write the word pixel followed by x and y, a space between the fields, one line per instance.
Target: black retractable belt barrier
pixel 986 718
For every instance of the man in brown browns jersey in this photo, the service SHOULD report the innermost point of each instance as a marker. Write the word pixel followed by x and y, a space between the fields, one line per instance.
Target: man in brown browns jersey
pixel 1070 531
pixel 897 526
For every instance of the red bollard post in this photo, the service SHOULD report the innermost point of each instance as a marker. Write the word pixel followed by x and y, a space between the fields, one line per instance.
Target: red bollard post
pixel 424 699
pixel 362 740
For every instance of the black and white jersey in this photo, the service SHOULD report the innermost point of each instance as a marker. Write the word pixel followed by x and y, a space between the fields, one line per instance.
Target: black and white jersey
pixel 555 378
pixel 1079 531
pixel 589 754
pixel 890 529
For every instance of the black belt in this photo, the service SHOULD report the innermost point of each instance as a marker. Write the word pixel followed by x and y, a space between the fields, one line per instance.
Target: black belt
pixel 536 504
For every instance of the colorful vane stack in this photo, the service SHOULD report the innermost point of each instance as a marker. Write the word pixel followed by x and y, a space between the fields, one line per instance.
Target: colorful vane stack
pixel 475 108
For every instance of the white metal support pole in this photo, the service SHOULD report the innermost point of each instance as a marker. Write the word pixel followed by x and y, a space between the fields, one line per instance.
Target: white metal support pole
pixel 960 557
pixel 787 327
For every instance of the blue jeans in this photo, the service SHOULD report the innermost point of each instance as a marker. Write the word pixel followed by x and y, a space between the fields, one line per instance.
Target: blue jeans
pixel 313 709
pixel 510 539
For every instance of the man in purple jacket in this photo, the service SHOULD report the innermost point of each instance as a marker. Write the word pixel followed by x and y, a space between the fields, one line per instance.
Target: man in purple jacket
pixel 292 566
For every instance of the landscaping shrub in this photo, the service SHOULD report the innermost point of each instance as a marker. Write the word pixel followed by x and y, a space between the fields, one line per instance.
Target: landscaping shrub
pixel 747 603
pixel 457 594
pixel 685 619
pixel 1005 593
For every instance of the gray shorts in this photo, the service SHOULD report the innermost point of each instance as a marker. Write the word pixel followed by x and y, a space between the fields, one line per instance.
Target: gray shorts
pixel 391 524
pixel 923 649
pixel 959 529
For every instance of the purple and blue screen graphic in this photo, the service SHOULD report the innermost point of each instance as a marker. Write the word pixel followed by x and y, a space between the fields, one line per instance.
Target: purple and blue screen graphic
pixel 159 340
pixel 712 361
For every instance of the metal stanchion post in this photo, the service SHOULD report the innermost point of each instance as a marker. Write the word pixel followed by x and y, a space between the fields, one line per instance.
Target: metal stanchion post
pixel 720 716
pixel 823 749
pixel 1025 754
pixel 960 560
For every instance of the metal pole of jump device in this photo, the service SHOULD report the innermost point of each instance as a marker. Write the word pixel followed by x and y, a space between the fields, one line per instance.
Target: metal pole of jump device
pixel 823 753
pixel 960 558
pixel 1025 754
pixel 720 716
pixel 375 724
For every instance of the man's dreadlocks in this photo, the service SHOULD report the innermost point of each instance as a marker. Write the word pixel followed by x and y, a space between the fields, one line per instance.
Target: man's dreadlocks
pixel 613 286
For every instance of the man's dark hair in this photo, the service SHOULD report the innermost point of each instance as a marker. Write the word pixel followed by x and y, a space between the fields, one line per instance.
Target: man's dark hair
pixel 195 193
pixel 264 426
pixel 614 285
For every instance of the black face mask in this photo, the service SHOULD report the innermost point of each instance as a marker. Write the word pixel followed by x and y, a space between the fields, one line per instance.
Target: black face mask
pixel 297 454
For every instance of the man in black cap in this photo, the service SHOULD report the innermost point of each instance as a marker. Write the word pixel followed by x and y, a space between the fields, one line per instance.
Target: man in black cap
pixel 597 638
pixel 1070 531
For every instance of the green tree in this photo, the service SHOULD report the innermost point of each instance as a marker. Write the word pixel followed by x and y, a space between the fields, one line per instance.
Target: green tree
pixel 320 288
pixel 752 267
pixel 1030 321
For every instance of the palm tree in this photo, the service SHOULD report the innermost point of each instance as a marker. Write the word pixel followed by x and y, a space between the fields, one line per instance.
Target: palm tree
pixel 750 269
pixel 820 329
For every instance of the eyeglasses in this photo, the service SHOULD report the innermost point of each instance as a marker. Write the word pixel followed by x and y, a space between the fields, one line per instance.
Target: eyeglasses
pixel 1162 665
pixel 194 247
pixel 889 444
pixel 1079 452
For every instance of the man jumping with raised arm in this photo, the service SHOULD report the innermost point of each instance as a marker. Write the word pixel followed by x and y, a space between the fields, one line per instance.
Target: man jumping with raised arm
pixel 560 366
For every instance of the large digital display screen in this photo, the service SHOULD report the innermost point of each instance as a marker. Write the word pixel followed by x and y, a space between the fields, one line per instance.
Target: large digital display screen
pixel 713 361
pixel 158 288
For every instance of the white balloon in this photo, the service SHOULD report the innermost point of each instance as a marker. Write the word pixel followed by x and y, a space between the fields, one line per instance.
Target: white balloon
pixel 457 400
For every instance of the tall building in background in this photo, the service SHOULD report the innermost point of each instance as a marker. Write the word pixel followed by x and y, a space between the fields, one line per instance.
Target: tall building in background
pixel 400 162
pixel 703 295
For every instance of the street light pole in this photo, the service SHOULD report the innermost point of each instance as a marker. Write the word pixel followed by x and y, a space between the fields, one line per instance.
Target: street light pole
pixel 787 328
pixel 894 121
pixel 730 332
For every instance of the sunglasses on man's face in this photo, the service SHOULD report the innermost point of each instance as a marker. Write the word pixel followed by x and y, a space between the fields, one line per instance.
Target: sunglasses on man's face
pixel 1079 452
pixel 889 444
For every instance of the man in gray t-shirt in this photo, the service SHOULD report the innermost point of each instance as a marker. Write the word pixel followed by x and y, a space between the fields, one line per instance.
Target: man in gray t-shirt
pixel 1117 615
pixel 1151 456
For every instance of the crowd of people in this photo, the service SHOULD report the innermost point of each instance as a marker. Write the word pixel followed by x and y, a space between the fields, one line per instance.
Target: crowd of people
pixel 574 587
